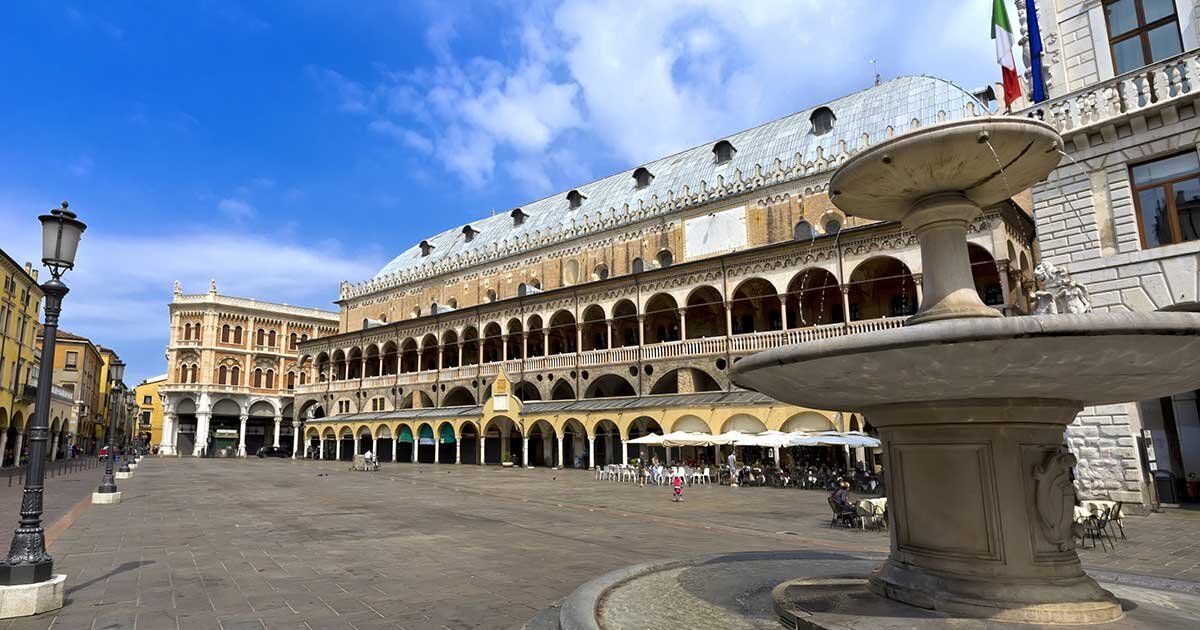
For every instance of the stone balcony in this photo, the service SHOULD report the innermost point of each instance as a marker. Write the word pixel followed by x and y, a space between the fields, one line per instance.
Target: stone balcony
pixel 1165 85
pixel 735 345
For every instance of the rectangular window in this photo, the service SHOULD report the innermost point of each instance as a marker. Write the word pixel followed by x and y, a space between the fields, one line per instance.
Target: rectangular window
pixel 72 362
pixel 1141 32
pixel 147 400
pixel 146 418
pixel 1166 195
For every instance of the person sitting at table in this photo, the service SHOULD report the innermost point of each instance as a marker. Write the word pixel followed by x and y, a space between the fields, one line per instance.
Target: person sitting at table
pixel 841 496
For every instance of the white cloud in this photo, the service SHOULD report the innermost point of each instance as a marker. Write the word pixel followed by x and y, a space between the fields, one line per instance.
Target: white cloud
pixel 236 209
pixel 81 166
pixel 407 137
pixel 350 95
pixel 122 283
pixel 636 81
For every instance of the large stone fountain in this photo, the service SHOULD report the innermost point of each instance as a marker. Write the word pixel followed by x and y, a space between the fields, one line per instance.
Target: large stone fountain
pixel 971 406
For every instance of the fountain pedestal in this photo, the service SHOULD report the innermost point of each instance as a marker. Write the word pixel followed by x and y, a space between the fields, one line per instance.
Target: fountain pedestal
pixel 982 506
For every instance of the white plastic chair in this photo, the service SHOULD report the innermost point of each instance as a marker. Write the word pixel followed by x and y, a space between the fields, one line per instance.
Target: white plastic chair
pixel 700 476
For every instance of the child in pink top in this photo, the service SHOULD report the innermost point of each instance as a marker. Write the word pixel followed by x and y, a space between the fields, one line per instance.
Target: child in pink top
pixel 677 484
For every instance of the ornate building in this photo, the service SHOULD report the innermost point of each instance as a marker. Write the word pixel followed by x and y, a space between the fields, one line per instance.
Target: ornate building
pixel 19 300
pixel 232 370
pixel 1121 214
pixel 617 308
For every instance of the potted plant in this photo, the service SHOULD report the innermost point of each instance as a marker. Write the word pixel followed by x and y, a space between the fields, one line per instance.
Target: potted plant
pixel 506 460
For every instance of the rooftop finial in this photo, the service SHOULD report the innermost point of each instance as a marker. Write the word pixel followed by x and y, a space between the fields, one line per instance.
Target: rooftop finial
pixel 178 288
pixel 212 285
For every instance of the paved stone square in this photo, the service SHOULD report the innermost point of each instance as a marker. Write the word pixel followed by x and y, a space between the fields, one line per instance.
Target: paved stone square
pixel 281 544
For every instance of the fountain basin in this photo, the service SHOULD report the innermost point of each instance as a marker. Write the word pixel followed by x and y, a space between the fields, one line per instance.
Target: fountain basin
pixel 1088 359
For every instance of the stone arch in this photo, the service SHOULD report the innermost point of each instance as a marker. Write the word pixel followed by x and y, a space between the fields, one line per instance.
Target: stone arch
pixel 227 407
pixel 662 321
pixel 468 437
pixel 607 442
pixel 814 298
pixel 458 397
pixel 574 443
pixel 561 335
pixel 262 407
pixel 881 286
pixel 685 381
pixel 562 390
pixel 535 337
pixel 625 324
pixel 543 444
pixel 526 391
pixel 755 307
pixel 502 440
pixel 705 313
pixel 743 422
pixel 810 421
pixel 690 423
pixel 595 328
pixel 986 275
pixel 610 386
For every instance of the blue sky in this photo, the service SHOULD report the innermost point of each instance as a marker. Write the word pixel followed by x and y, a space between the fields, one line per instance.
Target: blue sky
pixel 281 147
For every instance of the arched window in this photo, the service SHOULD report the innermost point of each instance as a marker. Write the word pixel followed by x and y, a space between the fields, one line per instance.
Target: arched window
pixel 803 231
pixel 303 377
pixel 291 380
pixel 600 272
pixel 271 339
pixel 225 333
pixel 270 379
pixel 664 259
pixel 222 375
pixel 261 338
pixel 638 265
pixel 292 341
pixel 833 226
pixel 237 335
pixel 187 331
pixel 235 376
pixel 642 177
pixel 258 377
pixel 491 295
pixel 195 373
pixel 303 337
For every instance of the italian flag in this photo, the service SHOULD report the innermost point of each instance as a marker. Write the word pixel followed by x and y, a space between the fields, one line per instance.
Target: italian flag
pixel 1002 33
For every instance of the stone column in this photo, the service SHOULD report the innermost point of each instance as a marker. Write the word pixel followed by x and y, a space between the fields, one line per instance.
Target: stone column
pixel 395 448
pixel 482 442
pixel 728 318
pixel 321 448
pixel 416 444
pixel 560 451
pixel 783 312
pixel 241 450
pixel 337 448
pixel 682 323
pixel 624 453
pixel 641 330
pixel 503 347
pixel 295 439
pixel 278 420
pixel 54 447
pixel 166 445
pixel 202 419
pixel 919 283
pixel 524 452
pixel 458 450
pixel 460 347
pixel 437 448
pixel 17 448
pixel 608 327
pixel 846 304
pixel 591 452
pixel 375 445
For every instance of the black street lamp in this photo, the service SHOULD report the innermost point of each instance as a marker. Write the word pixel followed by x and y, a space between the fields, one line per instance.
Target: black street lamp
pixel 127 450
pixel 108 484
pixel 27 561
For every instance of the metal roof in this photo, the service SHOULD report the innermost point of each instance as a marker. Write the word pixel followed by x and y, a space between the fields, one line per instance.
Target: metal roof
pixel 785 145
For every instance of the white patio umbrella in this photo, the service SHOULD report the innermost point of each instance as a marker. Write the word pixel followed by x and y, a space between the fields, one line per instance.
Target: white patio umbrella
pixel 837 438
pixel 652 439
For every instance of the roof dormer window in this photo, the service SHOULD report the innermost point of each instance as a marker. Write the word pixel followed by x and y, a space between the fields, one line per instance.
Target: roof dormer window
pixel 575 199
pixel 723 151
pixel 822 120
pixel 643 177
pixel 518 217
pixel 425 248
pixel 469 233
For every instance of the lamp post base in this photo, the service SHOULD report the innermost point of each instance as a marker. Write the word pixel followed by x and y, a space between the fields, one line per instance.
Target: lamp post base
pixel 106 498
pixel 31 599
pixel 123 475
pixel 25 573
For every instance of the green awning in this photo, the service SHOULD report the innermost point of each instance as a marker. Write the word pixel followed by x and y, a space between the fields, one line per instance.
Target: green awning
pixel 426 432
pixel 406 434
pixel 447 432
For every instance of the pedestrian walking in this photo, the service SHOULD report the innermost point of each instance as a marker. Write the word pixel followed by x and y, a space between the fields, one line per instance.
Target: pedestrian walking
pixel 677 487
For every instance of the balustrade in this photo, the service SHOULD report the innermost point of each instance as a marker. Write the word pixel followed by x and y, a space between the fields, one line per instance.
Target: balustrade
pixel 1172 79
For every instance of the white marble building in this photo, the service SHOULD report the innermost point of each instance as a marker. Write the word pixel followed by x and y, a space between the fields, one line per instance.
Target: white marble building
pixel 1122 211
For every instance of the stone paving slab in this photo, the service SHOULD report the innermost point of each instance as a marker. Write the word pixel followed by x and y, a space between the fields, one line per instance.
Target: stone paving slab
pixel 220 544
